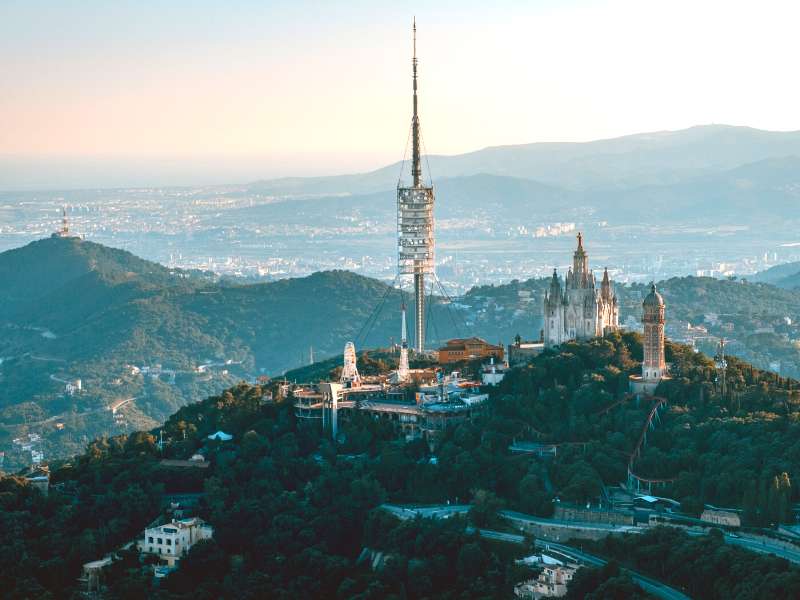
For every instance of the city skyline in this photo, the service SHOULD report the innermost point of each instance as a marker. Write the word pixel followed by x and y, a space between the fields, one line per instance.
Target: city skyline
pixel 190 97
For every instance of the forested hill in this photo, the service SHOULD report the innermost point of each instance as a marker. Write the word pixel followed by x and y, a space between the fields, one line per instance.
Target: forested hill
pixel 785 276
pixel 292 511
pixel 50 269
pixel 134 330
pixel 758 320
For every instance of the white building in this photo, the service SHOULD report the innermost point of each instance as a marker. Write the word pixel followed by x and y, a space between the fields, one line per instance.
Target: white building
pixel 552 583
pixel 578 310
pixel 493 373
pixel 172 541
pixel 73 387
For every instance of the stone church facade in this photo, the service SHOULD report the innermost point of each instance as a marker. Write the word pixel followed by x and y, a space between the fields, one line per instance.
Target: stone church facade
pixel 578 310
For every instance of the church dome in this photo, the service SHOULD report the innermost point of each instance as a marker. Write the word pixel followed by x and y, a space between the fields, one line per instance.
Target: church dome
pixel 653 298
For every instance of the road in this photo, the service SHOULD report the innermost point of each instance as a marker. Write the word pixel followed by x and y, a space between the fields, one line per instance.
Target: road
pixel 567 525
pixel 117 404
pixel 439 511
pixel 763 547
pixel 651 586
pixel 55 418
pixel 445 511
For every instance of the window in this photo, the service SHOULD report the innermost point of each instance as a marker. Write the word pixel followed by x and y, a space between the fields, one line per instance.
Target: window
pixel 150 540
pixel 160 541
pixel 169 542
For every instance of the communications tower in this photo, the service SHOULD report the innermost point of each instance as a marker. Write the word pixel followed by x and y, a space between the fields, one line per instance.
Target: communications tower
pixel 415 241
pixel 64 231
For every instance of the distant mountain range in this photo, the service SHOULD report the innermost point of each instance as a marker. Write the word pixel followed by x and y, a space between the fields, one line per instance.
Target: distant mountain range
pixel 656 158
pixel 784 276
pixel 712 173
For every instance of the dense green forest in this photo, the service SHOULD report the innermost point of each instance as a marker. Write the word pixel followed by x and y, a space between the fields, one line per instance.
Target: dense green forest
pixel 294 513
pixel 728 450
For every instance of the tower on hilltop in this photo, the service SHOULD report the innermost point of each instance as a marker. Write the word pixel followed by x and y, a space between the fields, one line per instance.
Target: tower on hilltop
pixel 654 366
pixel 415 239
pixel 63 232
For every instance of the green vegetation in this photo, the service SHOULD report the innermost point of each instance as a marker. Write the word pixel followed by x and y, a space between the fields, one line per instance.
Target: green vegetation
pixel 74 309
pixel 667 554
pixel 606 582
pixel 730 450
pixel 290 515
pixel 751 316
pixel 296 514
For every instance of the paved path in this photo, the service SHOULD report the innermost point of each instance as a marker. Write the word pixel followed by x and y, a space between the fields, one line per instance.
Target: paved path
pixel 439 511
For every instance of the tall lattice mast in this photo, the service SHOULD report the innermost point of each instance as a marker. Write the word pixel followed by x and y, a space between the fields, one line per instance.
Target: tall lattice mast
pixel 415 241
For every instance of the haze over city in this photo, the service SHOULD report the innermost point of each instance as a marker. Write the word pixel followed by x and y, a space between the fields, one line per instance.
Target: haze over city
pixel 99 94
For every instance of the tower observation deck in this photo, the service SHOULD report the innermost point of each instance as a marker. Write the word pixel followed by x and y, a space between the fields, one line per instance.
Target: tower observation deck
pixel 415 239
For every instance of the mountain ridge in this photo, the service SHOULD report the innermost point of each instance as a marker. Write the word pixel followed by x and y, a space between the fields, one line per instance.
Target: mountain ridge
pixel 628 160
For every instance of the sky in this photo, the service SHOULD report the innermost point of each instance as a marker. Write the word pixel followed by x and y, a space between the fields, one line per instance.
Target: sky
pixel 98 93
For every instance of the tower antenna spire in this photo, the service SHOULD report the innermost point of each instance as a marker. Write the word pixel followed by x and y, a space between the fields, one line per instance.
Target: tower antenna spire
pixel 415 235
pixel 416 163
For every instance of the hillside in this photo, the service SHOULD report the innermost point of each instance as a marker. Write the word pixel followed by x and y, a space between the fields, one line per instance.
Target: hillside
pixel 759 321
pixel 132 329
pixel 151 339
pixel 784 276
pixel 292 511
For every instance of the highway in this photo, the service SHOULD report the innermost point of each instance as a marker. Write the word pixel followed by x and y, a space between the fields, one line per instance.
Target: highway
pixel 439 511
pixel 566 525
pixel 763 547
pixel 651 586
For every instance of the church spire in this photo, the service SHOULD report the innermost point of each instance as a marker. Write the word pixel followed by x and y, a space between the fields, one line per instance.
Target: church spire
pixel 416 163
pixel 580 264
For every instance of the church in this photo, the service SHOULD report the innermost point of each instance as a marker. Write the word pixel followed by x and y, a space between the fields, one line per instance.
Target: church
pixel 578 310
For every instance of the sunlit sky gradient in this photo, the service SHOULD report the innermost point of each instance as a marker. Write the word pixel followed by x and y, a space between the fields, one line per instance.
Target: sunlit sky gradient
pixel 106 93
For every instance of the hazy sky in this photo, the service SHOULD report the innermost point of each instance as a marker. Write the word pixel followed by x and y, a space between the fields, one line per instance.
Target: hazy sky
pixel 116 92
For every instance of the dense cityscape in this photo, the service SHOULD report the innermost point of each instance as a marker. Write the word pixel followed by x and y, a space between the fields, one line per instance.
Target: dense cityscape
pixel 239 232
